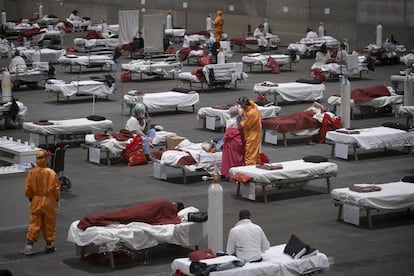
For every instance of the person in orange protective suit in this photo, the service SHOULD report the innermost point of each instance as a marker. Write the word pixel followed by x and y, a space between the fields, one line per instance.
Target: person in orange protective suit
pixel 218 26
pixel 42 188
pixel 250 120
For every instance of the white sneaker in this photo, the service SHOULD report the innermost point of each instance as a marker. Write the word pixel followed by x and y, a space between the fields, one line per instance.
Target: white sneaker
pixel 28 250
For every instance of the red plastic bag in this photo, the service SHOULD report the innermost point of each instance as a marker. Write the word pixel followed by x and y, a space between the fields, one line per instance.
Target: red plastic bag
pixel 134 153
pixel 264 158
pixel 125 76
pixel 242 178
pixel 205 60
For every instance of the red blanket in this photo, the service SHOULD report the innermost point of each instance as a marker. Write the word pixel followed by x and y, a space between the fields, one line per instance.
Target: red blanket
pixel 363 95
pixel 184 161
pixel 154 212
pixel 294 122
pixel 233 150
pixel 184 52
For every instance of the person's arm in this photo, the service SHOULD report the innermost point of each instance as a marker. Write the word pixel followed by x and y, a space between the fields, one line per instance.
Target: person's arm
pixel 265 243
pixel 231 244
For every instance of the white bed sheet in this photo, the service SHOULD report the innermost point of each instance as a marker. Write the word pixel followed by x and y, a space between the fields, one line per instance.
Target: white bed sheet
pixel 137 235
pixel 374 138
pixel 294 169
pixel 89 43
pixel 46 54
pixel 30 76
pixel 85 87
pixel 86 60
pixel 116 147
pixel 170 99
pixel 314 44
pixel 291 91
pixel 231 71
pixel 79 125
pixel 153 67
pixel 275 263
pixel 175 32
pixel 224 115
pixel 393 99
pixel 257 59
pixel 406 110
pixel 211 162
pixel 393 196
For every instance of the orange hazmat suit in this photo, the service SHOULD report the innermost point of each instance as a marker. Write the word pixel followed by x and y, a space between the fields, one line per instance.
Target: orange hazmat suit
pixel 252 130
pixel 218 26
pixel 42 188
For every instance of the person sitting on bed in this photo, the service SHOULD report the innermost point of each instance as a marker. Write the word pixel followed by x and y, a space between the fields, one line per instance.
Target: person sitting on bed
pixel 323 55
pixel 139 124
pixel 17 64
pixel 250 122
pixel 233 144
pixel 247 240
pixel 259 34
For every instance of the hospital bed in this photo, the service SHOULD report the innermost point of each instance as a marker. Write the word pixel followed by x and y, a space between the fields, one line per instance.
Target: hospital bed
pixel 79 25
pixel 56 128
pixel 5 48
pixel 6 114
pixel 293 173
pixel 291 91
pixel 112 148
pixel 89 61
pixel 251 44
pixel 31 77
pixel 168 67
pixel 196 52
pixel 188 157
pixel 160 101
pixel 46 21
pixel 398 80
pixel 133 236
pixel 392 196
pixel 215 75
pixel 356 65
pixel 113 29
pixel 274 263
pixel 221 114
pixel 261 60
pixel 68 89
pixel 307 47
pixel 46 54
pixel 86 45
pixel 368 139
pixel 408 113
pixel 391 100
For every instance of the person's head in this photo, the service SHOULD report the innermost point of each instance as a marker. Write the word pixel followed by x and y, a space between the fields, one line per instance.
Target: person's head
pixel 139 34
pixel 5 272
pixel 234 111
pixel 244 214
pixel 138 111
pixel 42 158
pixel 261 26
pixel 179 206
pixel 308 30
pixel 323 48
pixel 342 46
pixel 75 12
pixel 244 102
pixel 219 13
pixel 16 53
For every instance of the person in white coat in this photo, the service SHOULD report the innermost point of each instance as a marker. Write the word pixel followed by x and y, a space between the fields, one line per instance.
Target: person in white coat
pixel 260 35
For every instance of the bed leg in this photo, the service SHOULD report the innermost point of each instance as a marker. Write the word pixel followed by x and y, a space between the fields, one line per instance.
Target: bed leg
pixel 108 159
pixel 263 192
pixel 146 256
pixel 82 252
pixel 355 153
pixel 328 184
pixel 284 139
pixel 111 259
pixel 340 207
pixel 369 217
pixel 238 189
pixel 184 176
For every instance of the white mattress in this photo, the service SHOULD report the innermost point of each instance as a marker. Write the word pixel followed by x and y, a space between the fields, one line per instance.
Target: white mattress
pixel 89 43
pixel 153 67
pixel 224 115
pixel 336 69
pixel 170 99
pixel 137 235
pixel 376 102
pixel 227 72
pixel 292 91
pixel 314 44
pixel 295 169
pixel 116 147
pixel 30 76
pixel 86 60
pixel 85 87
pixel 275 263
pixel 46 54
pixel 70 126
pixel 175 32
pixel 393 196
pixel 258 59
pixel 374 138
pixel 211 162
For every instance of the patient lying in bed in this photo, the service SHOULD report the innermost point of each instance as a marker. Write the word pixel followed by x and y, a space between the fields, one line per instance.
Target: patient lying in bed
pixel 154 212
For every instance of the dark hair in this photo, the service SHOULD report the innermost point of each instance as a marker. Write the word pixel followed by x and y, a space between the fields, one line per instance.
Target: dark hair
pixel 243 101
pixel 323 48
pixel 5 272
pixel 244 214
pixel 180 206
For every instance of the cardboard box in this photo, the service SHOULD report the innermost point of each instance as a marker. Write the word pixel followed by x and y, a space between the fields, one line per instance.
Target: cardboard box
pixel 173 141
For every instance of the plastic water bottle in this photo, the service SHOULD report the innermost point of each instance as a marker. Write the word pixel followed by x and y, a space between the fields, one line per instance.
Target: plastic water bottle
pixel 215 214
pixel 379 34
pixel 6 95
pixel 169 21
pixel 208 23
pixel 221 59
pixel 3 18
pixel 36 54
pixel 40 11
pixel 265 27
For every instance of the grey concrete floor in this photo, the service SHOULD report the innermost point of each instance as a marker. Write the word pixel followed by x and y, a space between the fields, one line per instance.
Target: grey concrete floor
pixel 387 249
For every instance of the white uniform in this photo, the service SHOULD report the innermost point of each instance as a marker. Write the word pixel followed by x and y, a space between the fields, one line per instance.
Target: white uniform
pixel 247 241
pixel 17 64
pixel 260 36
pixel 133 125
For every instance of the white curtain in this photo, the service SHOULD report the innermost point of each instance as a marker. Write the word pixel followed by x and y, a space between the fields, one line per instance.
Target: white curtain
pixel 153 33
pixel 128 25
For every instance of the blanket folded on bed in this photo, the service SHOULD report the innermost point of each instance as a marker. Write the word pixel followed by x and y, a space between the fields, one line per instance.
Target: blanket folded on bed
pixel 294 122
pixel 154 212
pixel 363 95
pixel 365 188
pixel 185 160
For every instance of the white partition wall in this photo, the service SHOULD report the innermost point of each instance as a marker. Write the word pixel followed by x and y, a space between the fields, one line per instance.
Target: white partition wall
pixel 128 25
pixel 153 33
